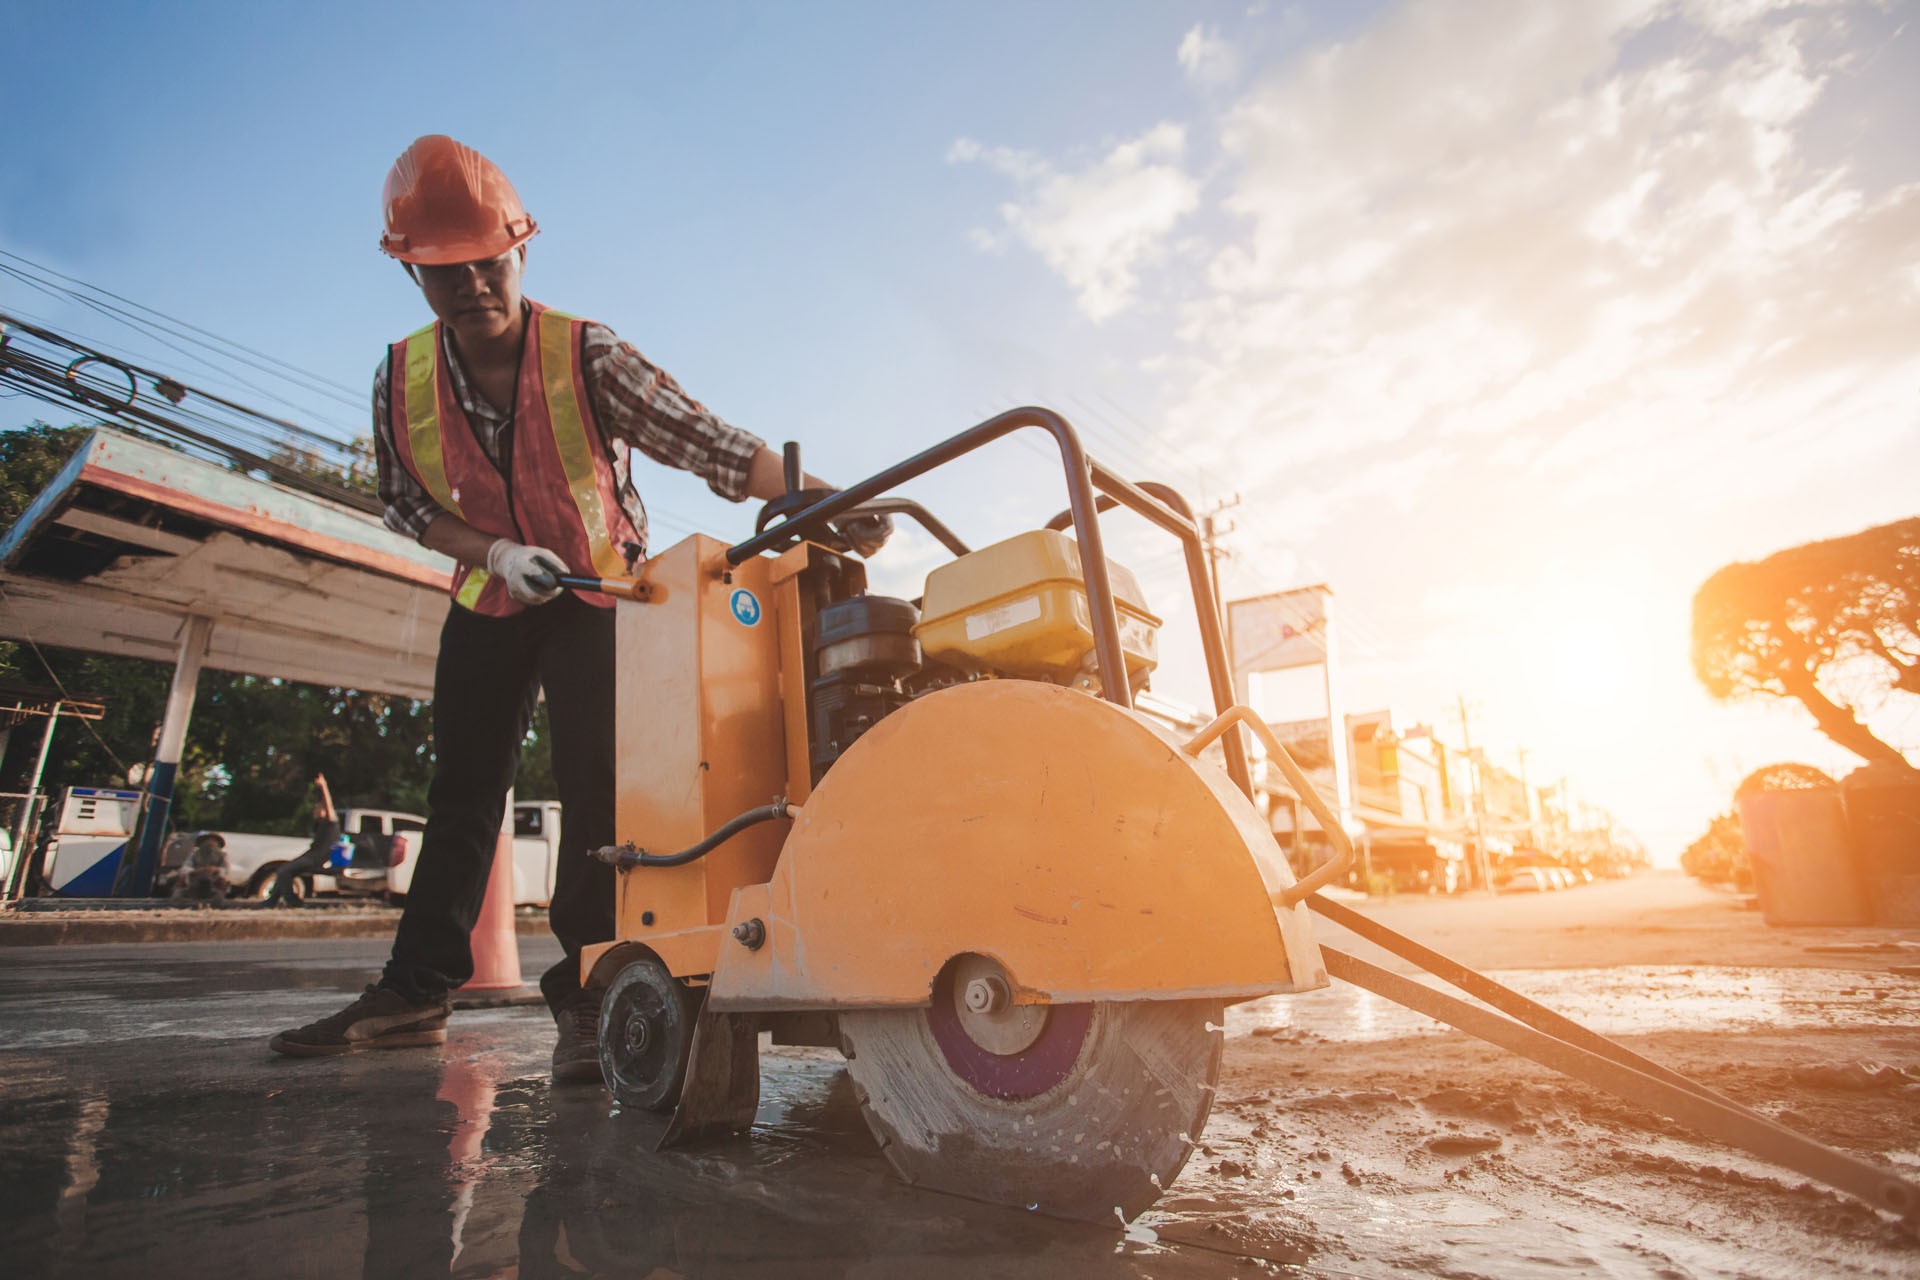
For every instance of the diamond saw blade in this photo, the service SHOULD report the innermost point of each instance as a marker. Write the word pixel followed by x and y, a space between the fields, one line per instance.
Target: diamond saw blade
pixel 1094 1116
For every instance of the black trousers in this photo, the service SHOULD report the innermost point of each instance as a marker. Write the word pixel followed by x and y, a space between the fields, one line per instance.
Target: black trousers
pixel 484 689
pixel 324 834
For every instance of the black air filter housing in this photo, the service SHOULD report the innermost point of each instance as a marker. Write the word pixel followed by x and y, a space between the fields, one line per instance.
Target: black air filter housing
pixel 868 637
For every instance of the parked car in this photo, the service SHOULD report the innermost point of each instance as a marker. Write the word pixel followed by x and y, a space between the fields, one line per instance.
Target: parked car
pixel 536 847
pixel 1527 880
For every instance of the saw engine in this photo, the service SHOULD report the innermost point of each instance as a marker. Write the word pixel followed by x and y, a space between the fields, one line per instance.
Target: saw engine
pixel 1013 610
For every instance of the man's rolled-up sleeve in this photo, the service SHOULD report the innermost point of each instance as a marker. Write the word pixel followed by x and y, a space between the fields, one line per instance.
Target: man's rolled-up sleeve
pixel 640 403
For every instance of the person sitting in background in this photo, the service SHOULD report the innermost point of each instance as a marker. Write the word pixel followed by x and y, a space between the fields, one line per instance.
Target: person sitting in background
pixel 326 830
pixel 205 874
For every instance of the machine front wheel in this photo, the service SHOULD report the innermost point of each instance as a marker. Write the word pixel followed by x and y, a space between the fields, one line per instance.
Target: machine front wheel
pixel 646 1035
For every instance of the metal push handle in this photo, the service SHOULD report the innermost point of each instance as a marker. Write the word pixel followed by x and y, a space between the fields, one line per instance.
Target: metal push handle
pixel 1084 476
pixel 1081 474
pixel 1337 836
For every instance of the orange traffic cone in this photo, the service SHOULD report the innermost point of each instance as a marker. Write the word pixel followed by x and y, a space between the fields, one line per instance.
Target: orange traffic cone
pixel 496 947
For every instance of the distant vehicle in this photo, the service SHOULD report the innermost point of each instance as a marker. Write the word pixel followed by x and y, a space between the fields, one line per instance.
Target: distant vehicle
pixel 1527 880
pixel 1563 878
pixel 371 843
pixel 536 851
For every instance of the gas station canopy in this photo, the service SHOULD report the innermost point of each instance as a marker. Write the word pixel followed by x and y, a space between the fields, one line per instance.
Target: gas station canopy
pixel 133 540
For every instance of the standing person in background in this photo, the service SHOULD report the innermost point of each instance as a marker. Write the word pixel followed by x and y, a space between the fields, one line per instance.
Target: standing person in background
pixel 503 432
pixel 326 831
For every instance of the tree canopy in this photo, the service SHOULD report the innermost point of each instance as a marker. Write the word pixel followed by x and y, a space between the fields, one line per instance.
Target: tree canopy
pixel 1833 625
pixel 29 457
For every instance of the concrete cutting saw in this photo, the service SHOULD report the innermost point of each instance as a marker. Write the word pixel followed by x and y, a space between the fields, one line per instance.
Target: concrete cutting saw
pixel 939 836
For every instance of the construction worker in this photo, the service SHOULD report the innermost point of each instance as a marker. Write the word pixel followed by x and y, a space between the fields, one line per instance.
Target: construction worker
pixel 502 432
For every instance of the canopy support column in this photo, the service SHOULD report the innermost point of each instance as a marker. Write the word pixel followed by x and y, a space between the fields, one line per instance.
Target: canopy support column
pixel 138 869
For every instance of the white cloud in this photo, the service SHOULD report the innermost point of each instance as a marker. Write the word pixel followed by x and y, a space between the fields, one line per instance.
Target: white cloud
pixel 1208 59
pixel 1100 226
pixel 1485 218
pixel 1499 292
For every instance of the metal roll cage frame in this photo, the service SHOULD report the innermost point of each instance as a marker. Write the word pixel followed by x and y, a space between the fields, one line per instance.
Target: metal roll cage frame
pixel 1159 504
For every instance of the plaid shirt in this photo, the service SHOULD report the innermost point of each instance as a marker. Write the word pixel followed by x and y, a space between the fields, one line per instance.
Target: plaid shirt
pixel 637 404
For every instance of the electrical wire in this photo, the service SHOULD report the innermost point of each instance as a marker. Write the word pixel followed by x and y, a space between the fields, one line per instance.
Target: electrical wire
pixel 56 368
pixel 320 382
pixel 159 335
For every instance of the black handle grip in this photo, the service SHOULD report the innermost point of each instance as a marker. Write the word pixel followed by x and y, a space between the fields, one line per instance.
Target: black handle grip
pixel 791 456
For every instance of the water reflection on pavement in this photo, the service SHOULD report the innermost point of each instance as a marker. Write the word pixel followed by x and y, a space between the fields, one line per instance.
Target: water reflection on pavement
pixel 158 1139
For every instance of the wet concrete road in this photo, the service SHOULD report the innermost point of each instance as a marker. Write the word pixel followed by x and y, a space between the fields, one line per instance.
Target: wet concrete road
pixel 146 1131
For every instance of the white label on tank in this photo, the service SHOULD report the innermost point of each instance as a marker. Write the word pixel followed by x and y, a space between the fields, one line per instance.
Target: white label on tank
pixel 1004 618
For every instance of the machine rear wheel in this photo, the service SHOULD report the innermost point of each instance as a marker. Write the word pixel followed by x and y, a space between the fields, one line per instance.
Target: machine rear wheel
pixel 646 1035
pixel 1079 1111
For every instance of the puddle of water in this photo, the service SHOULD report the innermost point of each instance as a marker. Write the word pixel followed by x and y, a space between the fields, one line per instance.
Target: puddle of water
pixel 1628 1001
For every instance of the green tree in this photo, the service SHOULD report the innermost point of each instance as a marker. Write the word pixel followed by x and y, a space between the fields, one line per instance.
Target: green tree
pixel 29 458
pixel 1720 855
pixel 1833 625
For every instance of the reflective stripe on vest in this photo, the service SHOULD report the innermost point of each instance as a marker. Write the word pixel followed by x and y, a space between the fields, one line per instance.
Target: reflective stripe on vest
pixel 570 435
pixel 423 440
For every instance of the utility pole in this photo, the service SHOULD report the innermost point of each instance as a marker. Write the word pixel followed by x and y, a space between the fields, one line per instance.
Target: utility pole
pixel 1211 531
pixel 1526 794
pixel 1477 808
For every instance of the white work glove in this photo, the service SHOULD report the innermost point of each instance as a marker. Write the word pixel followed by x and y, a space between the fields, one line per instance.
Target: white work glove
pixel 867 533
pixel 532 574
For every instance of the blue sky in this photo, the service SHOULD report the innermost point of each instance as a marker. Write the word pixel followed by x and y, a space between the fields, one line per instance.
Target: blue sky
pixel 1512 321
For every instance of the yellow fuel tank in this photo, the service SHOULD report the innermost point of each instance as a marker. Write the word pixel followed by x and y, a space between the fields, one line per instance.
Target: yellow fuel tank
pixel 1020 606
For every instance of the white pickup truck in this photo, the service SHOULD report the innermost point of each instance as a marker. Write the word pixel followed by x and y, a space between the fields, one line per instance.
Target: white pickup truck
pixel 381 839
pixel 536 848
pixel 93 825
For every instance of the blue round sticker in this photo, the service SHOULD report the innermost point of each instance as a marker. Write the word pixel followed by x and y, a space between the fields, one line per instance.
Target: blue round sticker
pixel 746 609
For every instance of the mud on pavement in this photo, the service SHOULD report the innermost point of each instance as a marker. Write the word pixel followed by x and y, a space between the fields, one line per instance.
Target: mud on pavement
pixel 1341 1144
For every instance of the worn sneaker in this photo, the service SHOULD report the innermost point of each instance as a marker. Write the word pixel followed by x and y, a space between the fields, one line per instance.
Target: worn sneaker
pixel 381 1018
pixel 576 1055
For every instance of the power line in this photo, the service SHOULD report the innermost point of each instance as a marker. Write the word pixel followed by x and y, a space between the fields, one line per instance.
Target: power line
pixel 60 370
pixel 160 335
pixel 322 382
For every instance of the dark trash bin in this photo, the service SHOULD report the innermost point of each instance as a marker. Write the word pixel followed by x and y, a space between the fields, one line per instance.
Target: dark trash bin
pixel 1795 828
pixel 1883 811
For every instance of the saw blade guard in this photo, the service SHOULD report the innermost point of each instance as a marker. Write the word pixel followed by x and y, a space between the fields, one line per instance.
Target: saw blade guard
pixel 1073 841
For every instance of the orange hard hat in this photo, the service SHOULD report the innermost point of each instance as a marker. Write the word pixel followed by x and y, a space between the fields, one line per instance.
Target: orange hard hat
pixel 447 203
